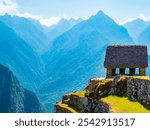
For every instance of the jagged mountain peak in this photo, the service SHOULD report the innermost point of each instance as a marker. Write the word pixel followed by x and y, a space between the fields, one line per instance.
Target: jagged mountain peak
pixel 101 13
pixel 61 27
pixel 13 18
pixel 102 17
pixel 6 15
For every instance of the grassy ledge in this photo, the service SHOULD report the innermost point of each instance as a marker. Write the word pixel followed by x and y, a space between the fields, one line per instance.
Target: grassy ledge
pixel 66 106
pixel 142 77
pixel 124 105
pixel 79 94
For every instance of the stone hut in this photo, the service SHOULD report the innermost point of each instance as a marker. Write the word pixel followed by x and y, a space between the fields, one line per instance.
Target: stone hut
pixel 119 58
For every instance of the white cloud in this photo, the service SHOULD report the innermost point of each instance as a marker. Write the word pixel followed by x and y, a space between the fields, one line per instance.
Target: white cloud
pixel 8 6
pixel 50 21
pixel 66 17
pixel 141 16
pixel 44 21
pixel 11 7
pixel 128 20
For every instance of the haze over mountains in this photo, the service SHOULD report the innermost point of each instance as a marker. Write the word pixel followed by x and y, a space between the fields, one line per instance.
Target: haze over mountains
pixel 139 30
pixel 136 27
pixel 145 37
pixel 78 54
pixel 61 59
pixel 14 98
pixel 16 54
pixel 27 30
pixel 63 26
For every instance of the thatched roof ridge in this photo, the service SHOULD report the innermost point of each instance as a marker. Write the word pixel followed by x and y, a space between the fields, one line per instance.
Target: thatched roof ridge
pixel 126 56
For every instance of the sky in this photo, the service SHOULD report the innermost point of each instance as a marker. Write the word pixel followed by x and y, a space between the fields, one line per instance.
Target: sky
pixel 49 12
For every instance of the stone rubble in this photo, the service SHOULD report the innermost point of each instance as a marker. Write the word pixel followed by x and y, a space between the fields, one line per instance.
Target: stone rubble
pixel 136 89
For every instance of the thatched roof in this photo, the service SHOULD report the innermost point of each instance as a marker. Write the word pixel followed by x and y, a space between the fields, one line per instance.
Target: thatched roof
pixel 129 56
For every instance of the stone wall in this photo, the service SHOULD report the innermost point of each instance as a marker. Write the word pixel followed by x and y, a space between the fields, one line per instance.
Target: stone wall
pixel 84 104
pixel 75 100
pixel 139 90
pixel 135 88
pixel 93 82
pixel 99 87
pixel 97 106
pixel 119 86
pixel 108 73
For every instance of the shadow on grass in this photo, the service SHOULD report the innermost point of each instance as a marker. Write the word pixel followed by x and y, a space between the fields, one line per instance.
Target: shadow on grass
pixel 146 106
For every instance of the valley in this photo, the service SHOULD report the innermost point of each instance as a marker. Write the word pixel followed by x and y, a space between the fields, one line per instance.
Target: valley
pixel 52 65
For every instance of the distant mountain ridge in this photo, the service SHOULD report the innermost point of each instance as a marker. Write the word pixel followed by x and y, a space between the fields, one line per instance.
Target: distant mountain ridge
pixel 103 29
pixel 61 27
pixel 14 98
pixel 78 55
pixel 16 54
pixel 27 29
pixel 136 27
pixel 144 37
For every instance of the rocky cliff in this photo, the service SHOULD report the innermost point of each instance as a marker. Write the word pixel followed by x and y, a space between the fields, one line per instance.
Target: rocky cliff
pixel 13 97
pixel 133 90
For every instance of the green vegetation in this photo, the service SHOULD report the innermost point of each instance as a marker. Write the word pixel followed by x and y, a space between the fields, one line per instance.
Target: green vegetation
pixel 124 105
pixel 119 103
pixel 104 82
pixel 80 93
pixel 142 77
pixel 78 110
pixel 66 106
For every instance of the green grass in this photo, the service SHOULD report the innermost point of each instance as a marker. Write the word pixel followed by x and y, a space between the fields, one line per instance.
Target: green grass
pixel 80 93
pixel 142 77
pixel 66 106
pixel 124 105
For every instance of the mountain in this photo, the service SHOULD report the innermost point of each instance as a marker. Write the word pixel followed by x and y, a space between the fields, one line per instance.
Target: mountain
pixel 78 55
pixel 136 27
pixel 63 26
pixel 16 54
pixel 144 37
pixel 14 98
pixel 27 30
pixel 38 25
